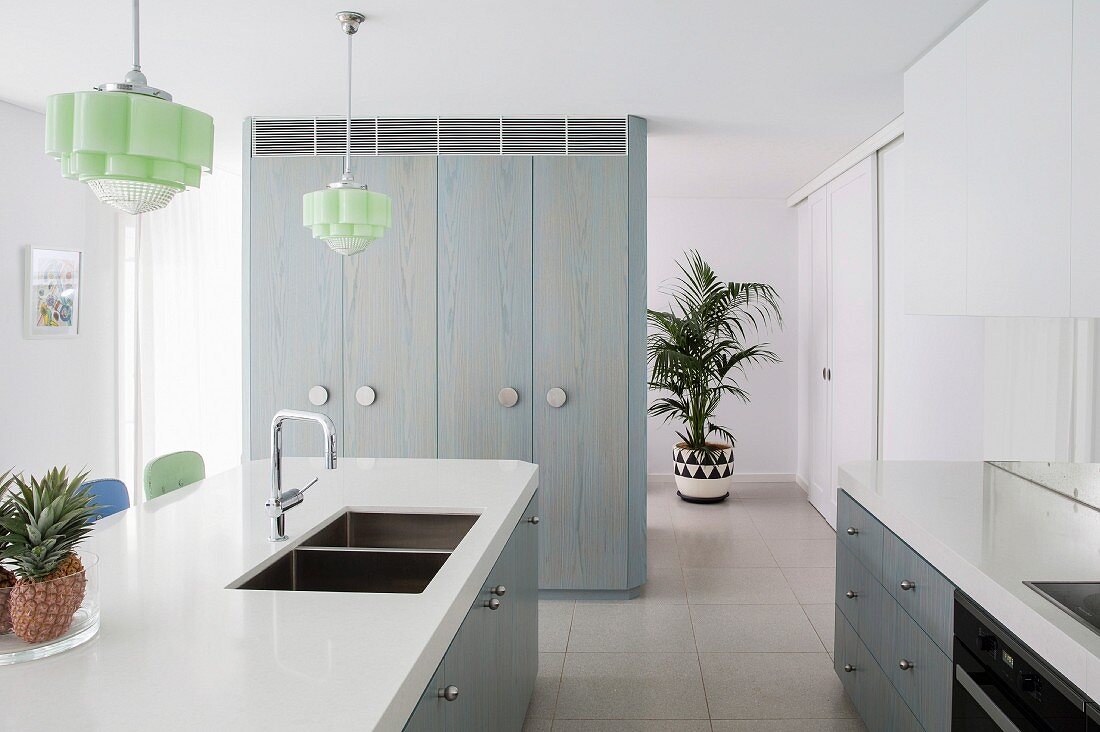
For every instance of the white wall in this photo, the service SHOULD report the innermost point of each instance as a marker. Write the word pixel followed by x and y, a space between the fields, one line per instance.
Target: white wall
pixel 57 397
pixel 747 240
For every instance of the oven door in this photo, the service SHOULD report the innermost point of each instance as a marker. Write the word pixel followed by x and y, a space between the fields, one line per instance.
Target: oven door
pixel 982 701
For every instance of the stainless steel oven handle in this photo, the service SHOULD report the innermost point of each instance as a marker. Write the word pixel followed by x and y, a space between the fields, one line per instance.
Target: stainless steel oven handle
pixel 988 705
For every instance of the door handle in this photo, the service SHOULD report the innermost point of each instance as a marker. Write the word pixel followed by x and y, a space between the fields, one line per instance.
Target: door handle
pixel 508 397
pixel 984 701
pixel 365 396
pixel 556 397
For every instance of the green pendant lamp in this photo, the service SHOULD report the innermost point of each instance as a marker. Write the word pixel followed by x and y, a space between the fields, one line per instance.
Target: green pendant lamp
pixel 344 215
pixel 128 141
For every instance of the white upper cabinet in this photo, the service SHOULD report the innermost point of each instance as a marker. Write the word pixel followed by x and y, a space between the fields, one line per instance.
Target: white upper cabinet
pixel 996 120
pixel 1085 207
pixel 935 182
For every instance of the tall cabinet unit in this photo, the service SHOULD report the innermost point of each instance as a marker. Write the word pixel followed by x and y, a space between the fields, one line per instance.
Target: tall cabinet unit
pixel 501 317
pixel 841 232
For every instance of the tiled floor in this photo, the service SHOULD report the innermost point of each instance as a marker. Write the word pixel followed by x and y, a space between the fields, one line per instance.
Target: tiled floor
pixel 732 633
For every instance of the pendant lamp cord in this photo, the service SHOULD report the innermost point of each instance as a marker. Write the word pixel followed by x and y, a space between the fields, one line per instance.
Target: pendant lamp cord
pixel 137 36
pixel 347 155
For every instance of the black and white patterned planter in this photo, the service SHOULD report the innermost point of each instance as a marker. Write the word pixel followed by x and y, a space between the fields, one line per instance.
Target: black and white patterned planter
pixel 703 477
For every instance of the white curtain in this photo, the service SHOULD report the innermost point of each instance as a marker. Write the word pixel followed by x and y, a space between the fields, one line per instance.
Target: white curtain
pixel 182 351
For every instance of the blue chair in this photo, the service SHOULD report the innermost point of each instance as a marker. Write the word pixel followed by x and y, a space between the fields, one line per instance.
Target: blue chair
pixel 109 494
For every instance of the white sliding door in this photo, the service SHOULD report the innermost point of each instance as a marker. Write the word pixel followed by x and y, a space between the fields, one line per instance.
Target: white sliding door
pixel 819 350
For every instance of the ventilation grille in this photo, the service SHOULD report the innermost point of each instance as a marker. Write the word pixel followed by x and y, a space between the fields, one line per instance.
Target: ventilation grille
pixel 294 136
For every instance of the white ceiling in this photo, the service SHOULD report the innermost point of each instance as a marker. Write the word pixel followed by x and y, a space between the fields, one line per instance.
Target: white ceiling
pixel 745 98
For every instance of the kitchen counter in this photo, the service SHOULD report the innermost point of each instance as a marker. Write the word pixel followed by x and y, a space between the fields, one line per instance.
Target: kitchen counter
pixel 988 531
pixel 178 650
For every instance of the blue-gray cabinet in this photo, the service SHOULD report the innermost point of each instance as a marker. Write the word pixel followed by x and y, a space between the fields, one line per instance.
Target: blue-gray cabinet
pixel 502 316
pixel 891 605
pixel 487 676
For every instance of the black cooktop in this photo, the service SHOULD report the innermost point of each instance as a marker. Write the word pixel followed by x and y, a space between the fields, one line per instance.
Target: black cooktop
pixel 1079 599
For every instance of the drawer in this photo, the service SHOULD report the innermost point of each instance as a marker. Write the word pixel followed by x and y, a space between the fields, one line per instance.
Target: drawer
pixel 929 598
pixel 876 611
pixel 878 704
pixel 851 577
pixel 926 684
pixel 860 532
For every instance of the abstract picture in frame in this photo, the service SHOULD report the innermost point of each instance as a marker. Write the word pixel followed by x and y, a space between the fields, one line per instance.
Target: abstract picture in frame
pixel 52 293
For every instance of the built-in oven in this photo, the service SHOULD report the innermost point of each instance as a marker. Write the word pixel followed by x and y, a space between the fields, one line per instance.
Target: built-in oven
pixel 1001 685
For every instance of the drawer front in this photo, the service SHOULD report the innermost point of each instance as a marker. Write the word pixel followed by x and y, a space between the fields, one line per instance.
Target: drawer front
pixel 929 598
pixel 926 684
pixel 860 532
pixel 428 715
pixel 877 611
pixel 902 718
pixel 846 653
pixel 851 577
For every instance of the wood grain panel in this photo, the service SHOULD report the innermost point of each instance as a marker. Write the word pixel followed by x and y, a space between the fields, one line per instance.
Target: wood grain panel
pixel 926 687
pixel 484 306
pixel 931 602
pixel 580 325
pixel 295 305
pixel 635 347
pixel 469 666
pixel 428 715
pixel 389 318
pixel 525 598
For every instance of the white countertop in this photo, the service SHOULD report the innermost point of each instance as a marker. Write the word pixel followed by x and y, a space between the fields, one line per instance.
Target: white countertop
pixel 177 650
pixel 988 531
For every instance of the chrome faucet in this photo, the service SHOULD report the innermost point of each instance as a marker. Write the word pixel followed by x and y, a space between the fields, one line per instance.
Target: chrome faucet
pixel 281 502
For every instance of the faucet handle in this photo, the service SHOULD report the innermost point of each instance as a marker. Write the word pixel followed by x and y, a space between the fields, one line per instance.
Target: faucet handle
pixel 308 485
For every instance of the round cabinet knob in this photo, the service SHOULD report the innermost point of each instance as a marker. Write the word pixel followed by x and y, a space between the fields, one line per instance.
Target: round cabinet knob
pixel 556 397
pixel 493 604
pixel 851 595
pixel 533 520
pixel 499 590
pixel 450 693
pixel 908 585
pixel 849 668
pixel 318 395
pixel 508 397
pixel 365 395
pixel 852 531
pixel 904 665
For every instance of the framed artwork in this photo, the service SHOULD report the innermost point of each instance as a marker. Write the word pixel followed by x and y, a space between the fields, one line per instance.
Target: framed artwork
pixel 53 293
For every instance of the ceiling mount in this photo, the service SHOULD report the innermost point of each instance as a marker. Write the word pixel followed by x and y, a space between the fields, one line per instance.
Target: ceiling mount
pixel 350 20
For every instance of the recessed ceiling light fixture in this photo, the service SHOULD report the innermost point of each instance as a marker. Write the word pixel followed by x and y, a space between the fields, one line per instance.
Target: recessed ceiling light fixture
pixel 132 145
pixel 345 215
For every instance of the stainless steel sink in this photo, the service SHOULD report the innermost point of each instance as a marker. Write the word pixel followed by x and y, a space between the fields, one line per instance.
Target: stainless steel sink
pixel 375 530
pixel 308 569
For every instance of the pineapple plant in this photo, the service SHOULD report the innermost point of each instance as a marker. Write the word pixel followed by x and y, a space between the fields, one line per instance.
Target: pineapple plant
pixel 7 577
pixel 48 518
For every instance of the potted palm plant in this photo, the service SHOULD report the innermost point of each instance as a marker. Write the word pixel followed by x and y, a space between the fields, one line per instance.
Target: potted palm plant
pixel 697 350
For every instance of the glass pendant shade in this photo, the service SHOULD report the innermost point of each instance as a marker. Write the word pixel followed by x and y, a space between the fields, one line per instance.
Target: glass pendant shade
pixel 133 150
pixel 348 219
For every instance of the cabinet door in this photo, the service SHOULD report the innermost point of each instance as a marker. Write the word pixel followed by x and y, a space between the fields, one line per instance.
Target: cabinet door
pixel 1085 243
pixel 520 684
pixel 484 306
pixel 389 318
pixel 469 666
pixel 935 180
pixel 821 495
pixel 1018 157
pixel 295 306
pixel 580 327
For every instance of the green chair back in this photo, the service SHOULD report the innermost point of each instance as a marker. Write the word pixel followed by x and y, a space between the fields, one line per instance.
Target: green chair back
pixel 173 471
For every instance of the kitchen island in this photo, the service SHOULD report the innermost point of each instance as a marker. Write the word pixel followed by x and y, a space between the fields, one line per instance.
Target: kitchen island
pixel 179 649
pixel 909 533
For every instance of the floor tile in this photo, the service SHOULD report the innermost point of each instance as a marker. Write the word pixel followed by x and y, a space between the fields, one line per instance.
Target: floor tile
pixel 812 585
pixel 790 491
pixel 753 628
pixel 554 619
pixel 632 627
pixel 723 550
pixel 632 725
pixel 788 725
pixel 661 552
pixel 664 586
pixel 631 686
pixel 737 586
pixel 822 618
pixel 692 517
pixel 537 725
pixel 773 686
pixel 545 698
pixel 788 520
pixel 803 552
